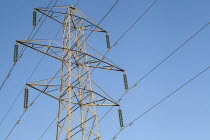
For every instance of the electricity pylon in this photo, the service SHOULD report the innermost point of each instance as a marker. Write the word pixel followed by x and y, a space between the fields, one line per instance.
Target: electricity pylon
pixel 73 88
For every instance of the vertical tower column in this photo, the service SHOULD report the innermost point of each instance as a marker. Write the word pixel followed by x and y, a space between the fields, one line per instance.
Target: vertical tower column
pixel 75 114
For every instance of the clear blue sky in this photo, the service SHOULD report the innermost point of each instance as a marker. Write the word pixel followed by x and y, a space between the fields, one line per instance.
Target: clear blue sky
pixel 166 26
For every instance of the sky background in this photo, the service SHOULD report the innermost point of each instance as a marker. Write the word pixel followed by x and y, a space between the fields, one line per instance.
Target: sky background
pixel 164 28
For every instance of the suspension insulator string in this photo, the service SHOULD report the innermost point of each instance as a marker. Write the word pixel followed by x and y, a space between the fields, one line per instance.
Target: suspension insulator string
pixel 108 41
pixel 34 19
pixel 120 118
pixel 125 81
pixel 26 99
pixel 15 53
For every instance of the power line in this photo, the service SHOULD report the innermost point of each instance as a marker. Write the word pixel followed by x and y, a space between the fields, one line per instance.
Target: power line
pixel 47 128
pixel 13 65
pixel 8 75
pixel 28 78
pixel 23 49
pixel 156 66
pixel 17 97
pixel 30 106
pixel 169 56
pixel 162 100
pixel 14 126
pixel 130 27
pixel 136 21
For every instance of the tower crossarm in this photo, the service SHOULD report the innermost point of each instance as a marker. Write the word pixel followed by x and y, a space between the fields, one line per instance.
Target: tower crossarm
pixel 55 14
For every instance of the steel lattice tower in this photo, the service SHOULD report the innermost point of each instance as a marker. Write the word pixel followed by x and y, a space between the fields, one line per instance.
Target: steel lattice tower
pixel 73 89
